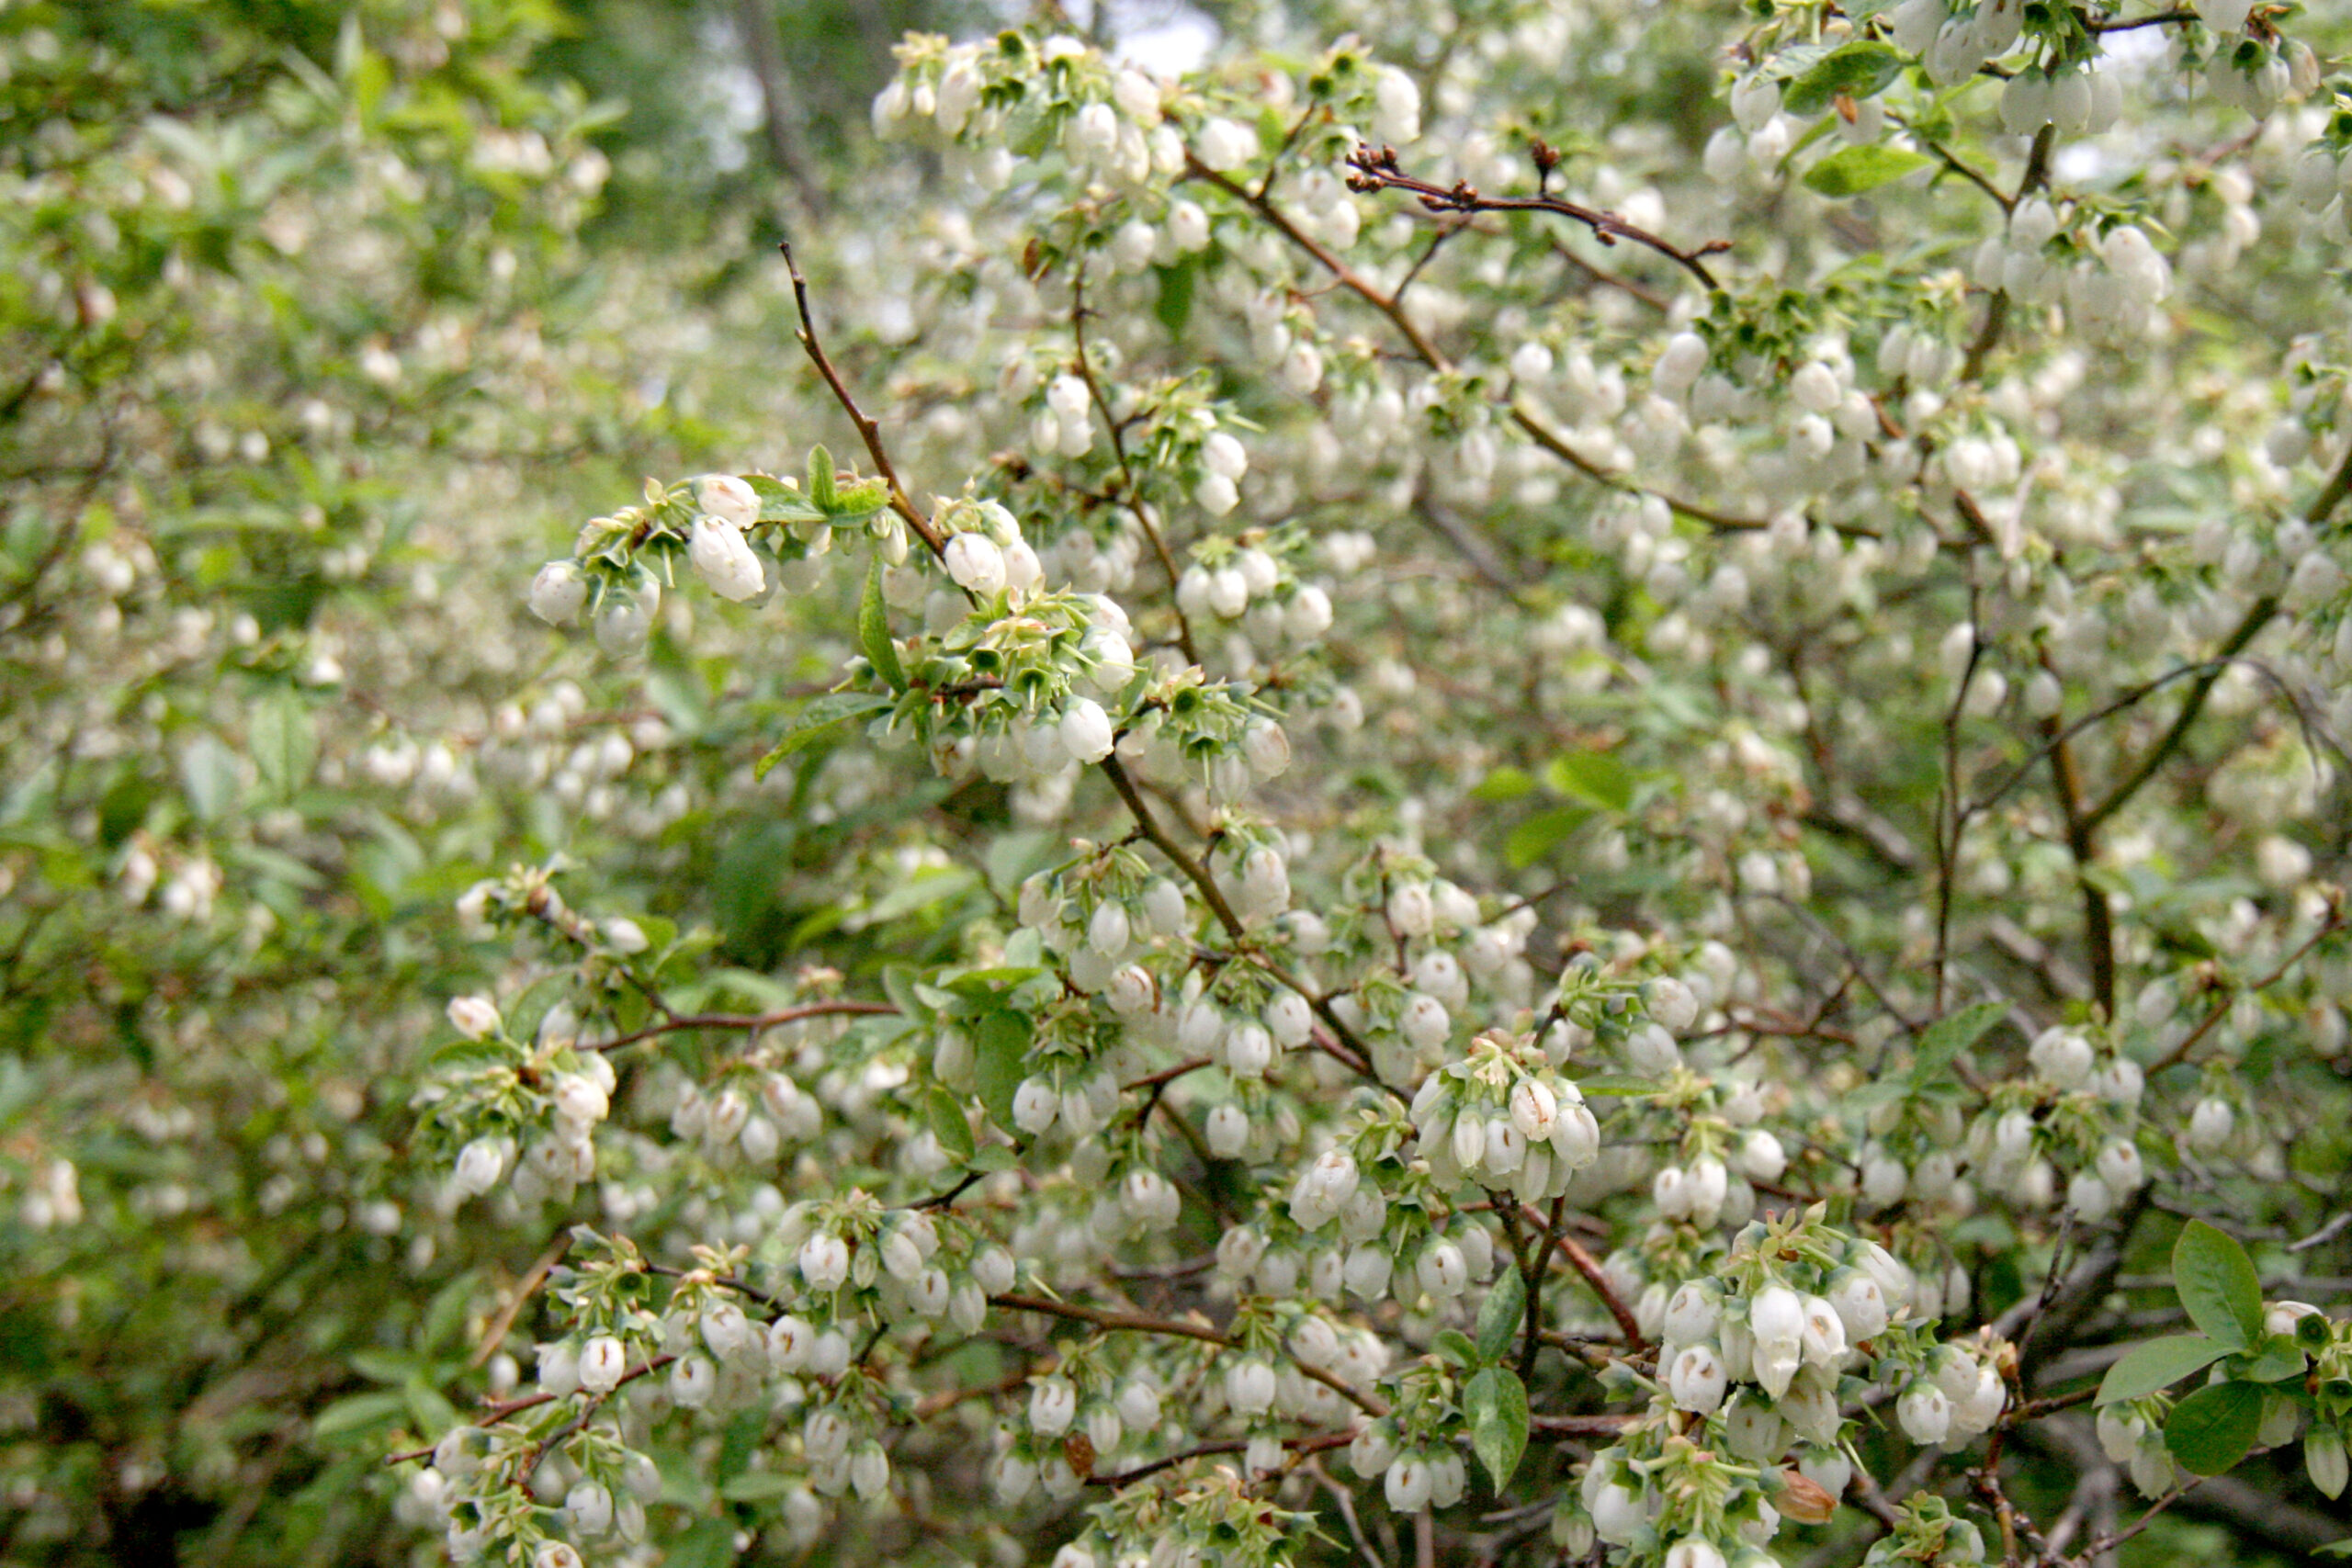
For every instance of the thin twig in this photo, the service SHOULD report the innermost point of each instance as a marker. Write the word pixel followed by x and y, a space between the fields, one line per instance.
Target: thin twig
pixel 1376 169
pixel 531 1281
pixel 1182 1328
pixel 868 429
pixel 1590 1270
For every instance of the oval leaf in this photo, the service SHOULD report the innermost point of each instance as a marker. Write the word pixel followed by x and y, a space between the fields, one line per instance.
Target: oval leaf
pixel 1942 1041
pixel 2212 1429
pixel 1594 777
pixel 814 718
pixel 1496 1404
pixel 945 1119
pixel 1536 837
pixel 874 630
pixel 2217 1284
pixel 2158 1364
pixel 1500 1313
pixel 1854 170
pixel 1858 70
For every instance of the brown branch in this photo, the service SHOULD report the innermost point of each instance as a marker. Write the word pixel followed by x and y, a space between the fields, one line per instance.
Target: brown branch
pixel 1302 1447
pixel 1586 1266
pixel 1429 354
pixel 1126 469
pixel 1581 1426
pixel 2257 616
pixel 1143 1322
pixel 1996 314
pixel 2220 1010
pixel 1193 869
pixel 2099 918
pixel 1344 1500
pixel 868 429
pixel 1375 169
pixel 2162 18
pixel 502 1409
pixel 530 1283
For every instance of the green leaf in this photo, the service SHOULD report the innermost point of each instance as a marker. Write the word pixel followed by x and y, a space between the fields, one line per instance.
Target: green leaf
pixel 822 492
pixel 1502 785
pixel 1500 1314
pixel 1000 1059
pixel 2217 1284
pixel 358 1413
pixel 710 1544
pixel 2212 1428
pixel 1174 306
pixel 1616 1086
pixel 1596 778
pixel 384 1366
pixel 446 1313
pixel 208 775
pixel 1941 1042
pixel 757 1486
pixel 874 630
pixel 780 503
pixel 2275 1360
pixel 1456 1347
pixel 1495 1402
pixel 945 1118
pixel 1536 837
pixel 428 1407
pixel 2158 1364
pixel 2334 1549
pixel 283 742
pixel 1857 70
pixel 814 718
pixel 1853 170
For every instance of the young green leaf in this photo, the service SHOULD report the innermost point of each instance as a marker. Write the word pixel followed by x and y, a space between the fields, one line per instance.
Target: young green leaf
pixel 1000 1056
pixel 2158 1364
pixel 1854 170
pixel 1941 1042
pixel 1495 1402
pixel 945 1118
pixel 1857 70
pixel 874 630
pixel 2212 1428
pixel 1500 1314
pixel 1536 837
pixel 814 718
pixel 2217 1285
pixel 823 492
pixel 1596 778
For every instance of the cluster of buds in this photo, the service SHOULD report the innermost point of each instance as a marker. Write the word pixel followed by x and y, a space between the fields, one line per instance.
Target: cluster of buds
pixel 1507 1118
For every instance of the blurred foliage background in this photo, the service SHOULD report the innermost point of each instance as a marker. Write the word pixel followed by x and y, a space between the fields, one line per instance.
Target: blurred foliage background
pixel 320 321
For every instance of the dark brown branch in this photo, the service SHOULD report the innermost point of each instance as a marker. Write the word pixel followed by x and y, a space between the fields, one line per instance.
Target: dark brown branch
pixel 1302 1447
pixel 1182 1328
pixel 1126 469
pixel 1386 304
pixel 1377 170
pixel 2099 918
pixel 1589 1268
pixel 2162 18
pixel 1196 871
pixel 869 429
pixel 2257 616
